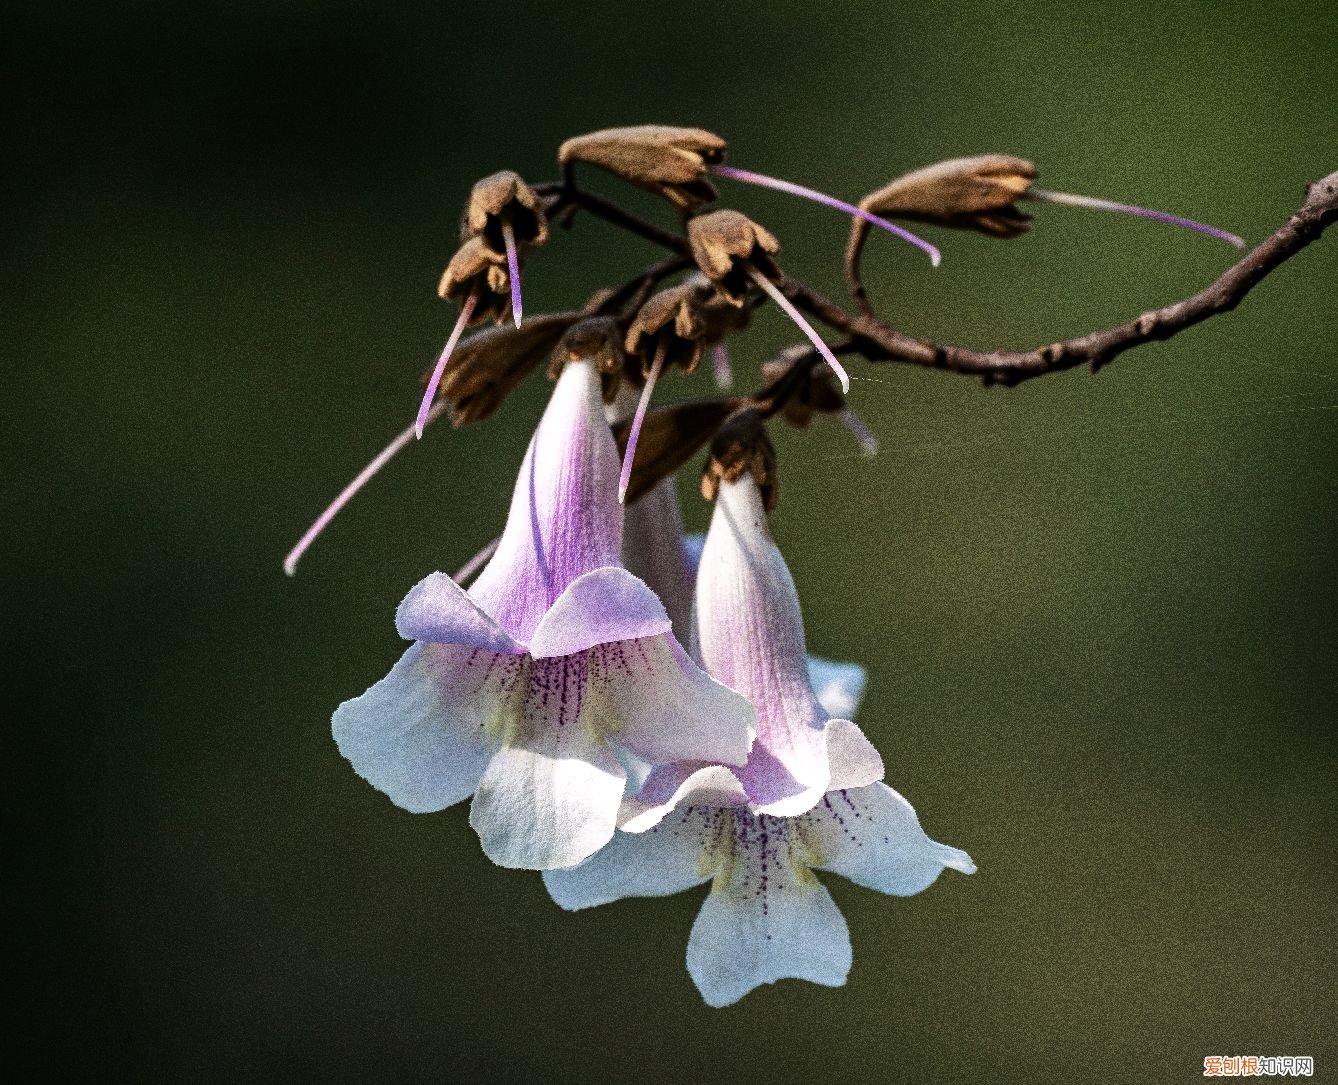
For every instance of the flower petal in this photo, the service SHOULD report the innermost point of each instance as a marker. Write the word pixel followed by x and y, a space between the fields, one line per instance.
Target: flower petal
pixel 437 609
pixel 665 860
pixel 648 695
pixel 565 519
pixel 607 604
pixel 653 549
pixel 425 732
pixel 681 784
pixel 550 795
pixel 786 779
pixel 839 686
pixel 872 836
pixel 854 761
pixel 743 941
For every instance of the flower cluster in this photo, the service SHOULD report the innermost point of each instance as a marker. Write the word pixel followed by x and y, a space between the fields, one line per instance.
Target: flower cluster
pixel 631 711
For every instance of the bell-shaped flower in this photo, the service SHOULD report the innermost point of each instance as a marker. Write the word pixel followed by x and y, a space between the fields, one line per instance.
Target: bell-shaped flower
pixel 748 632
pixel 526 690
pixel 767 917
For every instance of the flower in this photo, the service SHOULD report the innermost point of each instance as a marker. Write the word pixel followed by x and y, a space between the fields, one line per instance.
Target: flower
pixel 527 689
pixel 504 212
pixel 748 632
pixel 809 797
pixel 767 917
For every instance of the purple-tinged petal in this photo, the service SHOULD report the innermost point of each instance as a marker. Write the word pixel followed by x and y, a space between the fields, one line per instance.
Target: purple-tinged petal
pixel 648 695
pixel 767 917
pixel 608 604
pixel 425 732
pixel 437 609
pixel 678 786
pixel 839 686
pixel 872 836
pixel 665 860
pixel 853 759
pixel 653 549
pixel 549 797
pixel 565 519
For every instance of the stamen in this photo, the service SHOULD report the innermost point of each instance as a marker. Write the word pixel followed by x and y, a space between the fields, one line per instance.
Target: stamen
pixel 868 443
pixel 1043 196
pixel 466 311
pixel 724 372
pixel 474 564
pixel 346 494
pixel 748 177
pixel 632 434
pixel 512 268
pixel 813 337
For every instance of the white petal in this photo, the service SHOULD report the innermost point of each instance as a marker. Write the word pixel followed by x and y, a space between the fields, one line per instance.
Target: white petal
pixel 743 941
pixel 872 836
pixel 425 732
pixel 648 695
pixel 667 859
pixel 839 686
pixel 681 784
pixel 607 604
pixel 550 795
pixel 437 609
pixel 854 761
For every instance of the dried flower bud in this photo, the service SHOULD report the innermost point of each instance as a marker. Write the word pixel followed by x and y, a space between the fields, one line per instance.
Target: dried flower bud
pixel 474 269
pixel 801 389
pixel 724 244
pixel 975 193
pixel 670 162
pixel 669 437
pixel 488 366
pixel 742 447
pixel 595 339
pixel 501 199
pixel 674 318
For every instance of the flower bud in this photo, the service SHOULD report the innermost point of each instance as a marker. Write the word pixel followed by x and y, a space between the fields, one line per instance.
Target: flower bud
pixel 475 269
pixel 724 244
pixel 670 162
pixel 975 193
pixel 675 319
pixel 803 389
pixel 499 199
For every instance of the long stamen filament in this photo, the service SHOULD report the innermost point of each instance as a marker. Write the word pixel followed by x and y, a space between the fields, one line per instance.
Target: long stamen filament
pixel 868 443
pixel 1041 195
pixel 749 177
pixel 474 564
pixel 466 311
pixel 346 494
pixel 512 268
pixel 724 372
pixel 625 478
pixel 774 292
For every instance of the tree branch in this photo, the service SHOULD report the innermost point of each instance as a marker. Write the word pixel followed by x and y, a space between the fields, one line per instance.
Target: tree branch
pixel 880 342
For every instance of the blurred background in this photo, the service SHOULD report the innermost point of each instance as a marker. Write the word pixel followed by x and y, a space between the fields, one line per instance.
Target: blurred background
pixel 1099 614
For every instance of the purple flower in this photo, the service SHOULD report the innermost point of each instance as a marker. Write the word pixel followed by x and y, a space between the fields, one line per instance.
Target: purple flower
pixel 808 798
pixel 529 690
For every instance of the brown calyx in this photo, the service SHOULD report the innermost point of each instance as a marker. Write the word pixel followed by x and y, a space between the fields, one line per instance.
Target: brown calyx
pixel 741 446
pixel 475 269
pixel 670 162
pixel 724 244
pixel 504 197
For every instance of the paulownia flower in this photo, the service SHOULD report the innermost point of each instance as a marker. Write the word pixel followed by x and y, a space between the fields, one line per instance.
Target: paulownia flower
pixel 767 917
pixel 525 690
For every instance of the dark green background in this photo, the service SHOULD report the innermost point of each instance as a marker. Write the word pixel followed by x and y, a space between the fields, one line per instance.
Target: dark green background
pixel 1098 614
